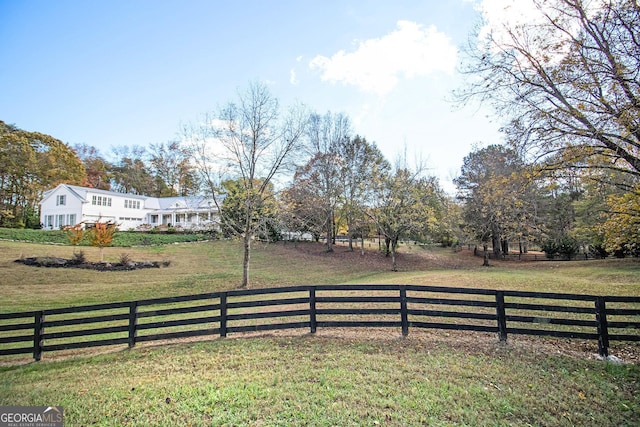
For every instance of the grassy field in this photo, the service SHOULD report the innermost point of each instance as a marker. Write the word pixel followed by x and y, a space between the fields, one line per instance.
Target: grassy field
pixel 324 381
pixel 214 266
pixel 350 377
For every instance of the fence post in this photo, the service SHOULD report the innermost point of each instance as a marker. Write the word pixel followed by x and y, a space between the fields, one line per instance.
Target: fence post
pixel 313 324
pixel 404 316
pixel 223 314
pixel 603 328
pixel 133 323
pixel 502 316
pixel 38 333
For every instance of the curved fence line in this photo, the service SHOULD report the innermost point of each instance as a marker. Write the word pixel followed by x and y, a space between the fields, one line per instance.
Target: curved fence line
pixel 599 318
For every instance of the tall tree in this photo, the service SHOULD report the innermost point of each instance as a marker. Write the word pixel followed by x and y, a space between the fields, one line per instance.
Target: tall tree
pixel 403 205
pixel 171 165
pixel 30 163
pixel 498 196
pixel 130 173
pixel 326 134
pixel 362 164
pixel 300 202
pixel 622 226
pixel 255 142
pixel 568 79
pixel 97 168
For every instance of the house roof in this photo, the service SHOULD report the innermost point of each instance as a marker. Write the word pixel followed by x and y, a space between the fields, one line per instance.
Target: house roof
pixel 152 203
pixel 83 191
pixel 190 203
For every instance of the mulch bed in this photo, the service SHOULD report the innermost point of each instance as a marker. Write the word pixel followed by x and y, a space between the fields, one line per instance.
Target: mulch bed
pixel 54 262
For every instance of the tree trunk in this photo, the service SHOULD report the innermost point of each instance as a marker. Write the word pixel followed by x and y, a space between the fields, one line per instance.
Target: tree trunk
pixel 485 260
pixel 362 245
pixel 394 264
pixel 247 258
pixel 329 233
pixel 495 243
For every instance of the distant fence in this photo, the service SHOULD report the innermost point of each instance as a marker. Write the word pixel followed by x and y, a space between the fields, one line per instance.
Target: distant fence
pixel 599 318
pixel 535 256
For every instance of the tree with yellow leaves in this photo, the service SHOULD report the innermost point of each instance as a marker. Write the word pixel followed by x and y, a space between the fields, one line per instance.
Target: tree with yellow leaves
pixel 101 235
pixel 622 227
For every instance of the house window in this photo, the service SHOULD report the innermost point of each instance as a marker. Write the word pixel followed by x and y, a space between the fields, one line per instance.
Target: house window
pixel 48 221
pixel 61 200
pixel 132 204
pixel 107 201
pixel 72 219
pixel 94 200
pixel 154 219
pixel 60 221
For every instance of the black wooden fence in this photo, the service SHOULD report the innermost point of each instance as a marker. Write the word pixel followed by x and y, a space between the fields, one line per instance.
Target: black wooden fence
pixel 601 318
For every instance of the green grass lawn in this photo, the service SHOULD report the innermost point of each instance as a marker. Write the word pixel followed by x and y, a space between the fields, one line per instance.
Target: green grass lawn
pixel 332 378
pixel 324 381
pixel 214 266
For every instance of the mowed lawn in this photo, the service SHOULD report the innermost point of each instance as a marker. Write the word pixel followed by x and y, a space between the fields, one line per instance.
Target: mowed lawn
pixel 332 378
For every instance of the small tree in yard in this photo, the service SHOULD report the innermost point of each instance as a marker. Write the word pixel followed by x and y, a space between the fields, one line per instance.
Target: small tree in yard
pixel 75 234
pixel 252 144
pixel 405 204
pixel 102 235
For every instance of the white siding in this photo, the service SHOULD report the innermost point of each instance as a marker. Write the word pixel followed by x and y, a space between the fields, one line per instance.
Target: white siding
pixel 69 205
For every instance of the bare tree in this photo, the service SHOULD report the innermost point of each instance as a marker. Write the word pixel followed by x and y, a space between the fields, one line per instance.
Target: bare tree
pixel 568 80
pixel 325 136
pixel 253 144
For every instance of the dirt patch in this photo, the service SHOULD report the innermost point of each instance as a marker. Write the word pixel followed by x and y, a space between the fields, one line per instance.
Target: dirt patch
pixel 54 262
pixel 409 257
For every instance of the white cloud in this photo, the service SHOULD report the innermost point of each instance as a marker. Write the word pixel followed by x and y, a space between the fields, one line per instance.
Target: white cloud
pixel 378 64
pixel 292 77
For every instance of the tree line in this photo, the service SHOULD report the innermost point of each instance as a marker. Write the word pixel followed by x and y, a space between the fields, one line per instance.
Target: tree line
pixel 566 83
pixel 566 177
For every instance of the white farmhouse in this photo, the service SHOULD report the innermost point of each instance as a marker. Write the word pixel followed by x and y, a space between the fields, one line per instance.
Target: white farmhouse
pixel 68 205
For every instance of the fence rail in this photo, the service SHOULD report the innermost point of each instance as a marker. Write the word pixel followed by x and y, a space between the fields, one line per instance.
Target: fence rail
pixel 599 318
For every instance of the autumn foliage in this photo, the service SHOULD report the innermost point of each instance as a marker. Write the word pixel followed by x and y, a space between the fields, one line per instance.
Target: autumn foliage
pixel 102 235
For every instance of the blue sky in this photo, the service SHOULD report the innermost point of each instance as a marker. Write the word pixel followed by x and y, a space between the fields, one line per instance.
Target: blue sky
pixel 117 73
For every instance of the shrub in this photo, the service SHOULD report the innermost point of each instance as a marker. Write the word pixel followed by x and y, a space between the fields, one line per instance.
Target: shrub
pixel 78 258
pixel 565 246
pixel 125 259
pixel 550 248
pixel 568 247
